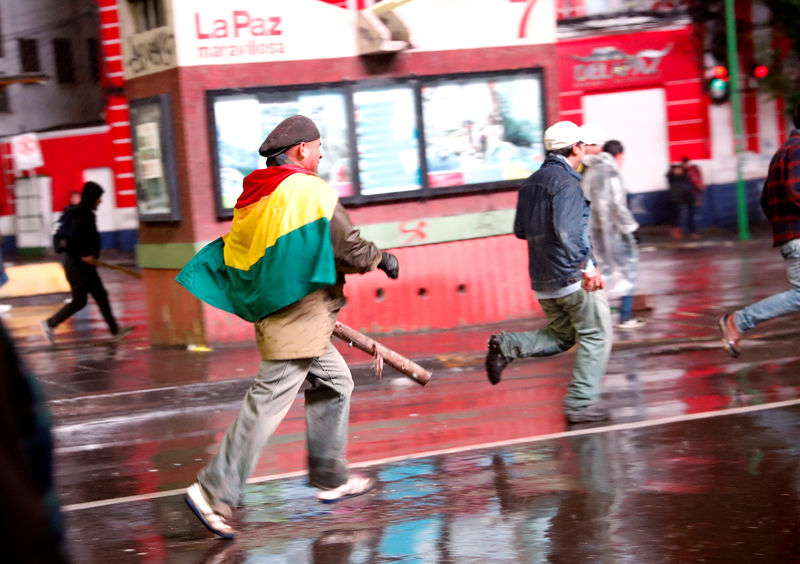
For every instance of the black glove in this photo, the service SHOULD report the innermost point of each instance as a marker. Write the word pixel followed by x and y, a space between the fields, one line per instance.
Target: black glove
pixel 389 265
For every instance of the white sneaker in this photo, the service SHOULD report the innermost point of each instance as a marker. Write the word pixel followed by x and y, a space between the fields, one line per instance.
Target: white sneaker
pixel 632 323
pixel 355 485
pixel 213 521
pixel 5 308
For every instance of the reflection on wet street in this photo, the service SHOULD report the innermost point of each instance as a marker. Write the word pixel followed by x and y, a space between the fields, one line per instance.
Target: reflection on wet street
pixel 699 463
pixel 723 489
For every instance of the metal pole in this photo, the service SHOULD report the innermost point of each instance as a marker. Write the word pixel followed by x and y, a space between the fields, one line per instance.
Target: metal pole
pixel 736 107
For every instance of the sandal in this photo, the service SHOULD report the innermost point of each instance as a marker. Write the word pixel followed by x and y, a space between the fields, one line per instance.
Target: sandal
pixel 212 520
pixel 728 344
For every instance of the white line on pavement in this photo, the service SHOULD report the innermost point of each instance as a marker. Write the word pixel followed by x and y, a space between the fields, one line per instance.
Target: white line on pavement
pixel 496 444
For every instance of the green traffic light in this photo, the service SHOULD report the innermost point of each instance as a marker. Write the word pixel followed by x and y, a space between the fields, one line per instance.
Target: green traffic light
pixel 719 90
pixel 719 86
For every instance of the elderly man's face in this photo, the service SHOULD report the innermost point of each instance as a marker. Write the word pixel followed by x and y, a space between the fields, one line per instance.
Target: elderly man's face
pixel 311 154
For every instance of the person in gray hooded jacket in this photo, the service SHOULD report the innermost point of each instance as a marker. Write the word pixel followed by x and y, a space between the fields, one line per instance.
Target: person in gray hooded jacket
pixel 613 227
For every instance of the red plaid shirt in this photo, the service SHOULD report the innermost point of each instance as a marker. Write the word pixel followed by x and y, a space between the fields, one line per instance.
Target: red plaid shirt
pixel 780 198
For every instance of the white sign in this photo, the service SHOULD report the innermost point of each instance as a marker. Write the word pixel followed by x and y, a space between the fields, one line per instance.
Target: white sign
pixel 26 151
pixel 439 25
pixel 149 148
pixel 209 32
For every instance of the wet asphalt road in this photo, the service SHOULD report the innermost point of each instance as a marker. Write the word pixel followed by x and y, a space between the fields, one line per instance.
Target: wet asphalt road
pixel 699 464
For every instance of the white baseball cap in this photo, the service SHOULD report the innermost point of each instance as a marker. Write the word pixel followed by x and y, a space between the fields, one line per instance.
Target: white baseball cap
pixel 561 134
pixel 592 135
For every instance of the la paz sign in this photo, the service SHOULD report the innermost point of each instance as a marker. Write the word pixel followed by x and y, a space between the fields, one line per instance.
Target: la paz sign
pixel 209 32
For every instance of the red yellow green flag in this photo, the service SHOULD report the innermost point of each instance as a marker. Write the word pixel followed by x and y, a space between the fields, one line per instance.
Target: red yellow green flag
pixel 278 249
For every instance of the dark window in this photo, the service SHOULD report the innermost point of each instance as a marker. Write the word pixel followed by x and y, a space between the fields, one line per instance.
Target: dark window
pixel 65 66
pixel 94 58
pixel 29 55
pixel 147 14
pixel 4 106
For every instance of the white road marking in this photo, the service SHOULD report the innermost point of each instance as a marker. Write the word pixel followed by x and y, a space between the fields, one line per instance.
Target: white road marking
pixel 495 444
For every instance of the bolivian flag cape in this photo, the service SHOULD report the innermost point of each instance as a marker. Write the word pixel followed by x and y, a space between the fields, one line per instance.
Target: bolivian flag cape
pixel 278 250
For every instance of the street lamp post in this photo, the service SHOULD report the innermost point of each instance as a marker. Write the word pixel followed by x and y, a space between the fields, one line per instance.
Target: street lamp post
pixel 736 107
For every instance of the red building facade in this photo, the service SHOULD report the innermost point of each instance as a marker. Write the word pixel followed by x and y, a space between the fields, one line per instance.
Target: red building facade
pixel 449 219
pixel 444 205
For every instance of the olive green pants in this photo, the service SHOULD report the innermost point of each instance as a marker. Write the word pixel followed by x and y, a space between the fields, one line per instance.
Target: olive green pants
pixel 267 401
pixel 583 318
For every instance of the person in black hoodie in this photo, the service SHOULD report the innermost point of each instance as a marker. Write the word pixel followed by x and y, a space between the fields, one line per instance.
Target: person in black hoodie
pixel 83 248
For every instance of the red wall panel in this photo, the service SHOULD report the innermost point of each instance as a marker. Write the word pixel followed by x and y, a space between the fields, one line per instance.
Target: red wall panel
pixel 440 286
pixel 65 159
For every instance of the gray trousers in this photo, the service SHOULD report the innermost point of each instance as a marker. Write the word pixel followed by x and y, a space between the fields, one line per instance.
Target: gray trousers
pixel 582 317
pixel 265 405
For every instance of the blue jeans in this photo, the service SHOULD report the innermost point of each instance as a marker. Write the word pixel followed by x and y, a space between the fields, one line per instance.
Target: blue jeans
pixel 582 317
pixel 627 257
pixel 778 304
pixel 264 407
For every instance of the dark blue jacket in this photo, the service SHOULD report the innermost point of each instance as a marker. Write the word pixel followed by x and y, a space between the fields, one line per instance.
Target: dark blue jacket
pixel 553 217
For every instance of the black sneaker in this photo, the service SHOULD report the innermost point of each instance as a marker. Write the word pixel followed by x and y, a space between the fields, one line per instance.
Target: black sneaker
pixel 47 331
pixel 122 333
pixel 588 414
pixel 496 361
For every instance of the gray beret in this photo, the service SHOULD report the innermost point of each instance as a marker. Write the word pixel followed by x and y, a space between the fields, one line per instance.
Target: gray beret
pixel 288 133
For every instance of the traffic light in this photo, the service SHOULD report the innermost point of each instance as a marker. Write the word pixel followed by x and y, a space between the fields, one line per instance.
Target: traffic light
pixel 718 85
pixel 759 71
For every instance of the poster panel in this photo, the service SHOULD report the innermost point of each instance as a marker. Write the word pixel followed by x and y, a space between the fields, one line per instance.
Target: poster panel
pixel 482 129
pixel 388 144
pixel 242 121
pixel 154 159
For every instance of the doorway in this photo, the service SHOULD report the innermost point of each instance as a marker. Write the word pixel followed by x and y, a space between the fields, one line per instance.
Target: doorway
pixel 638 119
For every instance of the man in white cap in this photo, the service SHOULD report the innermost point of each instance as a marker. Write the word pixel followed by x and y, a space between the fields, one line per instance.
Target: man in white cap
pixel 553 216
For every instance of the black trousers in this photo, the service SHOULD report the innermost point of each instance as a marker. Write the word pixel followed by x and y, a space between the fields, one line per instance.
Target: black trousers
pixel 675 214
pixel 84 281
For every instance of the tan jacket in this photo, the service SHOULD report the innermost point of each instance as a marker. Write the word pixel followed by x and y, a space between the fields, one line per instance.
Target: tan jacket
pixel 303 329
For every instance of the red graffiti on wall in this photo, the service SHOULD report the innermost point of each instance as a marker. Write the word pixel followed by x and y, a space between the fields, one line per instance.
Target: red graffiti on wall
pixel 416 232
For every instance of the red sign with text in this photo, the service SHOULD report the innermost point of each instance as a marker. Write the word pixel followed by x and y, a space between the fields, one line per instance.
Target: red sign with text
pixel 628 60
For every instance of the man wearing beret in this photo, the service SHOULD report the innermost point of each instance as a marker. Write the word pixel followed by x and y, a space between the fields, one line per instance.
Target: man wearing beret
pixel 282 267
pixel 553 217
